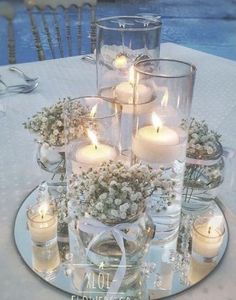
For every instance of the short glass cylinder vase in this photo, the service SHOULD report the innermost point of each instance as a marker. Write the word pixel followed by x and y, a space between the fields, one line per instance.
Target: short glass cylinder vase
pixel 92 138
pixel 116 249
pixel 203 175
pixel 160 134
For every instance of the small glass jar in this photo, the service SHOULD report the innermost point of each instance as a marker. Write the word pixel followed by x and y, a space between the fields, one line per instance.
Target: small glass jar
pixel 105 248
pixel 203 175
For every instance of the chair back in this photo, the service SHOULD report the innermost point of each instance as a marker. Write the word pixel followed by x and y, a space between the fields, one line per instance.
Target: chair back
pixel 51 24
pixel 8 11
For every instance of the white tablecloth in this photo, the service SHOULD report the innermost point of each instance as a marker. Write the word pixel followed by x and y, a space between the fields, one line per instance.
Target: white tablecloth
pixel 214 100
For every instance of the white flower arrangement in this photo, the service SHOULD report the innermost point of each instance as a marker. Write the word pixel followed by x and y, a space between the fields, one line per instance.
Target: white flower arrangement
pixel 48 124
pixel 202 142
pixel 114 192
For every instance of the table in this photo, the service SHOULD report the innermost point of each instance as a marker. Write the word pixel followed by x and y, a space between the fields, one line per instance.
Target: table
pixel 214 100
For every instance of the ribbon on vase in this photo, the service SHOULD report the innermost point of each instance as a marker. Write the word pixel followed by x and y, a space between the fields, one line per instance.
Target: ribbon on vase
pixel 93 226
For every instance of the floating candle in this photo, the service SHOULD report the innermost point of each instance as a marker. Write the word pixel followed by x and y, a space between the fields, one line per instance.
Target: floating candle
pixel 95 153
pixel 124 91
pixel 156 143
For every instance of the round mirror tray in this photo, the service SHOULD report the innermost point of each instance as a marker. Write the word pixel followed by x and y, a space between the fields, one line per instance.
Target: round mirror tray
pixel 169 268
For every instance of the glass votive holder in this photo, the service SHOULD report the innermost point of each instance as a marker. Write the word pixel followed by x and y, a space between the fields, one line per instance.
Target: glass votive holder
pixel 207 237
pixel 46 260
pixel 122 41
pixel 98 138
pixel 42 223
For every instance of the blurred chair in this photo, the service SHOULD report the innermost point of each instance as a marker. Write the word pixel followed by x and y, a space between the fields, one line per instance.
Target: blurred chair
pixel 7 11
pixel 40 7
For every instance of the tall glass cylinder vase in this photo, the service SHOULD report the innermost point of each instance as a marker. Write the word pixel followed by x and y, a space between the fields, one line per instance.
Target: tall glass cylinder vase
pixel 160 134
pixel 122 41
pixel 93 137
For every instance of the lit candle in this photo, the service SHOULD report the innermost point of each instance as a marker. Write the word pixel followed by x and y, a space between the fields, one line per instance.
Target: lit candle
pixel 156 143
pixel 42 223
pixel 120 62
pixel 124 91
pixel 95 153
pixel 208 237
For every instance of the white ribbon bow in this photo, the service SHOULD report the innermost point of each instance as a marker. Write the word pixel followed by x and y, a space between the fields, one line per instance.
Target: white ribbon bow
pixel 93 226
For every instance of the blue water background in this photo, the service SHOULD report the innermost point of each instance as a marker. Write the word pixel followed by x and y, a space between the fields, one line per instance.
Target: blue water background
pixel 204 25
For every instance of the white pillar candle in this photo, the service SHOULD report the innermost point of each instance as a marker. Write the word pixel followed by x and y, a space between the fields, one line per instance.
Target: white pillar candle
pixel 156 143
pixel 95 153
pixel 208 238
pixel 124 91
pixel 42 223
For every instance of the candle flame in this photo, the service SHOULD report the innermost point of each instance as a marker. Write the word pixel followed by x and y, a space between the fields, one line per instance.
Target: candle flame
pixel 164 101
pixel 93 138
pixel 43 209
pixel 214 223
pixel 93 111
pixel 131 75
pixel 120 61
pixel 156 121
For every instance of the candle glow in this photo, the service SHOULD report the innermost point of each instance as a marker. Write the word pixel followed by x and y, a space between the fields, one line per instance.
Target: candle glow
pixel 165 99
pixel 156 121
pixel 93 111
pixel 120 61
pixel 43 209
pixel 93 138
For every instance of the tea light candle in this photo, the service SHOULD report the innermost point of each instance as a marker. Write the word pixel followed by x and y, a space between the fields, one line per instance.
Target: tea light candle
pixel 124 91
pixel 95 153
pixel 208 237
pixel 42 223
pixel 156 143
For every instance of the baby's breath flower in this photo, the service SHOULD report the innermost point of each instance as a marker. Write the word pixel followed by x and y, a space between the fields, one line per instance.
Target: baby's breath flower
pixel 114 192
pixel 48 124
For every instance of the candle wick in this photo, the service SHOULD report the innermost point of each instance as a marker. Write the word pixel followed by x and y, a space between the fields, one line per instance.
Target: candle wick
pixel 96 147
pixel 209 230
pixel 158 128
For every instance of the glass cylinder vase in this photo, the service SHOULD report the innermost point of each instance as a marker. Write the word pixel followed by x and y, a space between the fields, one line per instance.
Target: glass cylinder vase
pixel 91 138
pixel 160 134
pixel 122 41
